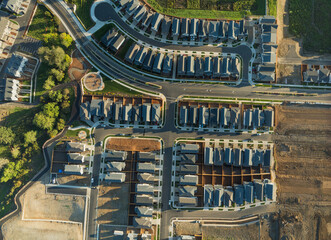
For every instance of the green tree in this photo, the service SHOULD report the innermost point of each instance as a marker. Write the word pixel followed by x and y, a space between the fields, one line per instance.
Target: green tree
pixel 43 121
pixel 14 170
pixel 51 38
pixel 6 135
pixel 59 75
pixel 55 96
pixel 60 124
pixel 52 133
pixel 15 152
pixel 49 83
pixel 51 110
pixel 55 56
pixel 30 137
pixel 65 39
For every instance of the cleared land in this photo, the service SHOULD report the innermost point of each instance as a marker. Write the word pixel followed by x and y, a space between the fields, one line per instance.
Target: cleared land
pixel 79 66
pixel 311 20
pixel 234 9
pixel 113 202
pixel 129 144
pixel 302 154
pixel 38 205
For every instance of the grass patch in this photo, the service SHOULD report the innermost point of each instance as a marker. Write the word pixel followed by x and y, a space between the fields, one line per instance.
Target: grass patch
pixel 43 22
pixel 42 75
pixel 83 12
pixel 74 133
pixel 272 8
pixel 311 20
pixel 207 9
pixel 113 88
pixel 102 31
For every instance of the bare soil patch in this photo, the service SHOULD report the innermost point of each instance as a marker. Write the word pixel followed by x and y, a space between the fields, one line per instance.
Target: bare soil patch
pixel 131 144
pixel 73 180
pixel 303 154
pixel 187 228
pixel 244 232
pixel 290 74
pixel 79 66
pixel 113 204
pixel 93 82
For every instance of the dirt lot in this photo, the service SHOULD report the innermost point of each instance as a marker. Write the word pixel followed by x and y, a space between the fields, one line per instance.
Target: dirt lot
pixel 79 66
pixel 128 144
pixel 244 232
pixel 113 204
pixel 73 180
pixel 15 228
pixel 288 73
pixel 303 154
pixel 187 228
pixel 38 205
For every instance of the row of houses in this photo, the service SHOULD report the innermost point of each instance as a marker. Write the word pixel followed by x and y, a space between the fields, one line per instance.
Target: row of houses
pixel 257 118
pixel 113 40
pixel 149 60
pixel 238 195
pixel 8 34
pixel 313 75
pixel 113 165
pixel 209 117
pixel 210 67
pixel 266 70
pixel 76 159
pixel 237 157
pixel 186 29
pixel 98 109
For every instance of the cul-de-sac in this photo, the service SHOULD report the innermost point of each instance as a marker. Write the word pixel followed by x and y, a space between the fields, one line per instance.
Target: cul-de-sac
pixel 165 119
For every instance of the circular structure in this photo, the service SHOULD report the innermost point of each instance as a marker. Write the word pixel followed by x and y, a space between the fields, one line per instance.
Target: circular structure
pixel 82 134
pixel 102 11
pixel 93 81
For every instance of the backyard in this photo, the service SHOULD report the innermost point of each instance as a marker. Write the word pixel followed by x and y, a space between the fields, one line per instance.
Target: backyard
pixel 211 9
pixel 311 21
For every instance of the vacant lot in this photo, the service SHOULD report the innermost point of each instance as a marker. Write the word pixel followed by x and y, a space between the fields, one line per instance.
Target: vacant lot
pixel 302 154
pixel 131 144
pixel 38 205
pixel 311 20
pixel 225 233
pixel 113 204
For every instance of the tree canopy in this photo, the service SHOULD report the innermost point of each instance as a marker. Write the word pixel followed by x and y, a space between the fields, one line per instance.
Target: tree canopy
pixel 6 135
pixel 30 137
pixel 55 56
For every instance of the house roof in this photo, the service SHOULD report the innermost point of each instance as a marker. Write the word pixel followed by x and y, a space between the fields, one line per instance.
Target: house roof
pixel 193 115
pixel 208 66
pixel 268 67
pixel 218 156
pixel 145 167
pixel 143 200
pixel 199 67
pixel 140 56
pixel 74 169
pixel 208 195
pixel 188 158
pixel 136 113
pixel 75 158
pixel 144 188
pixel 127 112
pixel 12 90
pixel 75 147
pixel 190 66
pixel 187 191
pixel 239 194
pixel 269 57
pixel 149 60
pixel 167 64
pixel 131 53
pixel 156 113
pixel 208 156
pixel 189 169
pixel 117 42
pixel 238 157
pixel 146 156
pixel 188 180
pixel 189 148
pixel 249 192
pixel 143 211
pixel 165 26
pixel 183 115
pixel 175 27
pixel 116 155
pixel 142 222
pixel 110 34
pixel 228 156
pixel 181 66
pixel 145 177
pixel 188 201
pixel 259 189
pixel 115 177
pixel 248 156
pixel 218 195
pixel 228 196
pixel 114 166
pixel 146 112
pixel 185 27
pixel 156 21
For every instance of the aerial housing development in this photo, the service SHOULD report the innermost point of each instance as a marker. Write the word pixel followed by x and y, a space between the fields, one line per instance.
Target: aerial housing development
pixel 141 120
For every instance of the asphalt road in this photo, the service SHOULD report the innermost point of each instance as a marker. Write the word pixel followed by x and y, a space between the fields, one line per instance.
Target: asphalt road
pixel 66 190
